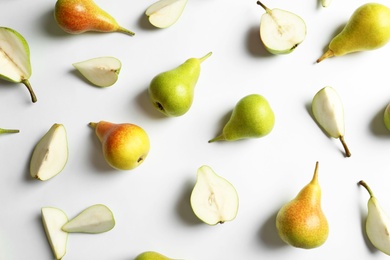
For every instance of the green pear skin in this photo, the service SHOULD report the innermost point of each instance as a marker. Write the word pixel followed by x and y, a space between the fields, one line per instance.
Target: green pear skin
pixel 172 92
pixel 386 117
pixel 151 255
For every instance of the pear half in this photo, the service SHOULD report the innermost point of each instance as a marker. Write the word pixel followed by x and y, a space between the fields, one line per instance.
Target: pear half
pixel 214 199
pixel 50 154
pixel 165 13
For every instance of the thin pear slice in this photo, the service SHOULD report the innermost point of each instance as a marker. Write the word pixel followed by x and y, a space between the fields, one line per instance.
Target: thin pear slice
pixel 53 219
pixel 377 223
pixel 214 199
pixel 328 110
pixel 101 71
pixel 165 13
pixel 95 219
pixel 50 154
pixel 15 65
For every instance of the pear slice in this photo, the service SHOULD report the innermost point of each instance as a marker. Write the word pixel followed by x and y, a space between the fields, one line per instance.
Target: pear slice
pixel 329 112
pixel 214 199
pixel 53 219
pixel 95 219
pixel 50 154
pixel 165 13
pixel 281 31
pixel 101 71
pixel 15 63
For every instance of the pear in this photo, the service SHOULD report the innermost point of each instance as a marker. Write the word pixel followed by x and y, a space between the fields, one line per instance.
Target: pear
pixel 50 154
pixel 213 199
pixel 101 71
pixel 329 112
pixel 79 16
pixel 281 31
pixel 377 223
pixel 367 29
pixel 95 219
pixel 15 65
pixel 301 222
pixel 8 131
pixel 165 13
pixel 172 92
pixel 151 255
pixel 386 117
pixel 53 219
pixel 252 117
pixel 125 146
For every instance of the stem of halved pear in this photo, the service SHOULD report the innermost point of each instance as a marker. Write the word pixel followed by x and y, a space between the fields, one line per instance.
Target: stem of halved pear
pixel 329 53
pixel 205 57
pixel 8 131
pixel 125 31
pixel 347 152
pixel 262 5
pixel 364 184
pixel 32 94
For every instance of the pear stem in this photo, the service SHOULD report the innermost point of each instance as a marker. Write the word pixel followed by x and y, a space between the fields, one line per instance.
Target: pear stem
pixel 92 124
pixel 262 5
pixel 329 53
pixel 205 57
pixel 218 138
pixel 315 175
pixel 125 31
pixel 364 184
pixel 6 131
pixel 347 152
pixel 32 94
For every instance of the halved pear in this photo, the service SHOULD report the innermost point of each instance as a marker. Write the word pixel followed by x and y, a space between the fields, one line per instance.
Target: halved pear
pixel 281 31
pixel 214 199
pixel 50 154
pixel 53 219
pixel 100 71
pixel 165 13
pixel 15 63
pixel 95 219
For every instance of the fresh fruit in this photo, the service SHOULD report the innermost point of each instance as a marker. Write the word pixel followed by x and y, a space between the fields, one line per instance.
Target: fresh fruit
pixel 281 31
pixel 301 222
pixel 328 110
pixel 325 3
pixel 151 255
pixel 172 92
pixel 79 16
pixel 252 117
pixel 214 199
pixel 125 146
pixel 377 223
pixel 367 29
pixel 50 154
pixel 53 219
pixel 8 131
pixel 165 13
pixel 386 117
pixel 95 219
pixel 15 65
pixel 101 71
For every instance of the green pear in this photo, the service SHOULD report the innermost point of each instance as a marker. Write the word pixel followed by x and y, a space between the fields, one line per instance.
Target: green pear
pixel 15 65
pixel 8 131
pixel 172 92
pixel 301 222
pixel 252 117
pixel 367 29
pixel 386 117
pixel 152 255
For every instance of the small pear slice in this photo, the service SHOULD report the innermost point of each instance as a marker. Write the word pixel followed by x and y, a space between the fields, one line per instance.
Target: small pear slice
pixel 50 154
pixel 53 219
pixel 165 13
pixel 15 63
pixel 214 199
pixel 95 219
pixel 329 112
pixel 101 71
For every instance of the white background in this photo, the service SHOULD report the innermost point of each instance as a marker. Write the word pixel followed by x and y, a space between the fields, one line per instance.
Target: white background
pixel 151 203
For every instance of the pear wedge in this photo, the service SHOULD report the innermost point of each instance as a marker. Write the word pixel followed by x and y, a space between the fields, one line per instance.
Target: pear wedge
pixel 15 63
pixel 164 13
pixel 95 219
pixel 53 219
pixel 50 154
pixel 101 71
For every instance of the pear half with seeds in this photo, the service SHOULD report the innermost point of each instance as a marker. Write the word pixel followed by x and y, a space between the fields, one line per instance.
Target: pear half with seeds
pixel 165 13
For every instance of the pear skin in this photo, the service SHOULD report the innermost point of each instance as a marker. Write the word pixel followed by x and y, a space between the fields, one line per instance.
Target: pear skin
pixel 152 255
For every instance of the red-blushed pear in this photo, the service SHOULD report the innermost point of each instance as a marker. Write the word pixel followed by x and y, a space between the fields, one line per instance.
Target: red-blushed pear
pixel 125 146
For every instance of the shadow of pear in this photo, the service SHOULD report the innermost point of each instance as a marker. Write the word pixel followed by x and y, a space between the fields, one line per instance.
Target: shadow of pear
pixel 268 233
pixel 183 205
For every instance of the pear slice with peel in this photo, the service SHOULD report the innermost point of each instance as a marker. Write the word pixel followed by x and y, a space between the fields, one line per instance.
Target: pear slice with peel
pixel 95 219
pixel 15 65
pixel 165 13
pixel 53 219
pixel 214 199
pixel 50 154
pixel 100 71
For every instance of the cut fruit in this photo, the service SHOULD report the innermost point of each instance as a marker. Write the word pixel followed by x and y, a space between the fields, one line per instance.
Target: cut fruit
pixel 165 13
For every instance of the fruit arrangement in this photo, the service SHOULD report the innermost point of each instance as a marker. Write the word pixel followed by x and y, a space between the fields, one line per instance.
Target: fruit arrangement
pixel 195 138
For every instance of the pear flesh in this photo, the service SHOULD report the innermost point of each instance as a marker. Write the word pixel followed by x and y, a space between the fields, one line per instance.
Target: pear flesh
pixel 50 154
pixel 164 13
pixel 15 65
pixel 213 199
pixel 101 71
pixel 151 255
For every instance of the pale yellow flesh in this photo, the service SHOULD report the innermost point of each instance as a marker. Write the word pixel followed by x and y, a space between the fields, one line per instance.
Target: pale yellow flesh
pixel 165 13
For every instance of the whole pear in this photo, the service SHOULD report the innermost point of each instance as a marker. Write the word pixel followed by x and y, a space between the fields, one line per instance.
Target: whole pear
pixel 152 255
pixel 301 222
pixel 252 117
pixel 172 92
pixel 125 146
pixel 79 16
pixel 367 29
